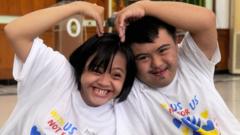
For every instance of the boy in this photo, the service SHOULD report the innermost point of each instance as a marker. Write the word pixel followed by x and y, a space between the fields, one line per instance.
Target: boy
pixel 176 82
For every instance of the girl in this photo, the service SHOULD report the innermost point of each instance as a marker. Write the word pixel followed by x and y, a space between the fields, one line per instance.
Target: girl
pixel 76 98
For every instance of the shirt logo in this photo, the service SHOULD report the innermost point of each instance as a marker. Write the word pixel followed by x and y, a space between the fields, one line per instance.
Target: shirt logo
pixel 59 125
pixel 34 131
pixel 188 123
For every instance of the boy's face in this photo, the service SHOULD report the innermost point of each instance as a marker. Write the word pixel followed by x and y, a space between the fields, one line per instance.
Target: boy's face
pixel 99 87
pixel 157 61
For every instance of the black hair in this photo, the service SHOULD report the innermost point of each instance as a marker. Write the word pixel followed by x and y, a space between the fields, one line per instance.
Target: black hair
pixel 103 49
pixel 146 29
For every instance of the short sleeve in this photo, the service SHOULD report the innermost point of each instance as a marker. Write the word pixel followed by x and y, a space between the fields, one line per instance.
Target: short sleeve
pixel 192 55
pixel 44 71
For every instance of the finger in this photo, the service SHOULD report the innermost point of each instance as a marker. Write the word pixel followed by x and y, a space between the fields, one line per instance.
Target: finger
pixel 122 20
pixel 97 30
pixel 117 26
pixel 99 27
pixel 120 32
pixel 122 25
pixel 99 33
pixel 122 36
pixel 99 21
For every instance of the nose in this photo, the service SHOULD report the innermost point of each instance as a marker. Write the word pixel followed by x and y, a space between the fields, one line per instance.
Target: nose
pixel 104 80
pixel 156 61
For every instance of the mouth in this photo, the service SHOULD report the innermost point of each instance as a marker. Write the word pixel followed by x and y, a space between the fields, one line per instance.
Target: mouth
pixel 101 92
pixel 158 72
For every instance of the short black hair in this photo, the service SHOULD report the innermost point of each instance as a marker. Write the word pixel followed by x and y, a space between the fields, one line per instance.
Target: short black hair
pixel 146 29
pixel 103 49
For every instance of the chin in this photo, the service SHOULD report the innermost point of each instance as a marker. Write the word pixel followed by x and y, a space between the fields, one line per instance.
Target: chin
pixel 98 103
pixel 160 85
pixel 95 105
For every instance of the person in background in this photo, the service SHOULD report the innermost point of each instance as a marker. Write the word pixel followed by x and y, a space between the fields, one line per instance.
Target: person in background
pixel 80 97
pixel 176 81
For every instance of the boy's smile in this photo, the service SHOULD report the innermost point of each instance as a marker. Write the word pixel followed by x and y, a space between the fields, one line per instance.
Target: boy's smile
pixel 157 61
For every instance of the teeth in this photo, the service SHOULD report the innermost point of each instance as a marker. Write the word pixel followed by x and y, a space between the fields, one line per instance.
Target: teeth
pixel 101 92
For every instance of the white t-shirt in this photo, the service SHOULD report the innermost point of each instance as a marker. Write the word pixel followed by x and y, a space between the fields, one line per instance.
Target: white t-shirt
pixel 49 102
pixel 191 100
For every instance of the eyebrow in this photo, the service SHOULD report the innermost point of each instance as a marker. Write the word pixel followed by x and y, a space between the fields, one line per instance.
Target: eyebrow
pixel 163 45
pixel 138 55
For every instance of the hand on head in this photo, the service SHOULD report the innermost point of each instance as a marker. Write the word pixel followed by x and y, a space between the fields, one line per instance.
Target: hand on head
pixel 123 17
pixel 95 12
pixel 130 13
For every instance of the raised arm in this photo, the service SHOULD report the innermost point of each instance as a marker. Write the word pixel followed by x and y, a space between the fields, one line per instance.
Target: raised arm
pixel 199 21
pixel 23 30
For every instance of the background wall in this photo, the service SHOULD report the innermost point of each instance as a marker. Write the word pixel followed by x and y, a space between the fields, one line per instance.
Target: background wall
pixel 10 9
pixel 222 13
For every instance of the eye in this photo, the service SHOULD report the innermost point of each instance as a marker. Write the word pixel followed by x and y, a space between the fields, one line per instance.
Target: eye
pixel 141 57
pixel 97 71
pixel 117 76
pixel 163 48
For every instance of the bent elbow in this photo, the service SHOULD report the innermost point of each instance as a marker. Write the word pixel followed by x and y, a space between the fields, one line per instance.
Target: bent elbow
pixel 211 20
pixel 6 30
pixel 9 31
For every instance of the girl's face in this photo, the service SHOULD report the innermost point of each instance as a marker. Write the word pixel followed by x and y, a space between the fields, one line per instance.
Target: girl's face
pixel 97 88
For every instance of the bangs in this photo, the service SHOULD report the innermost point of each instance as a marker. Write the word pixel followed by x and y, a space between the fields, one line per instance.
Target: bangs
pixel 102 59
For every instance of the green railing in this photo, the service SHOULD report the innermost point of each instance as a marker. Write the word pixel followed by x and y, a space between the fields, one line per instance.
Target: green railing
pixel 196 2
